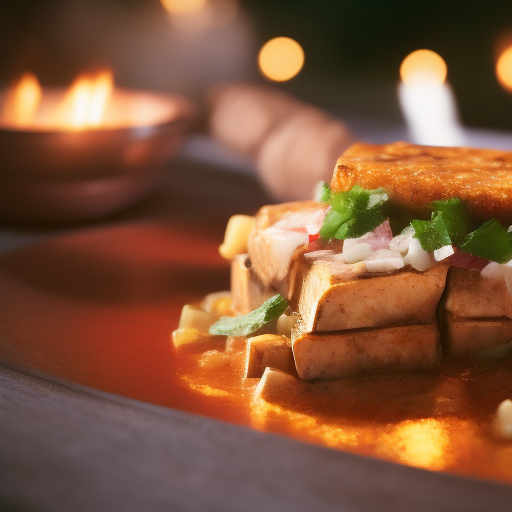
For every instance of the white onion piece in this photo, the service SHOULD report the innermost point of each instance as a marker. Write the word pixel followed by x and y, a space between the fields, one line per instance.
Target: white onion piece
pixel 379 238
pixel 417 257
pixel 299 220
pixel 401 242
pixel 494 270
pixel 377 199
pixel 356 252
pixel 443 252
pixel 282 244
pixel 322 253
pixel 315 221
pixel 384 260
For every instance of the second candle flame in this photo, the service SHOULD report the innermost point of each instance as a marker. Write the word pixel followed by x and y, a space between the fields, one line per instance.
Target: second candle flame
pixel 85 103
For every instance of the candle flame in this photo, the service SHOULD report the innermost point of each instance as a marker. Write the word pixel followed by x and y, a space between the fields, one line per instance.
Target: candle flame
pixel 85 102
pixel 22 101
pixel 504 69
pixel 281 58
pixel 423 67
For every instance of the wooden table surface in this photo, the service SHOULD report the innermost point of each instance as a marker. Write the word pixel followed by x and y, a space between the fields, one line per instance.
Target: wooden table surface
pixel 86 419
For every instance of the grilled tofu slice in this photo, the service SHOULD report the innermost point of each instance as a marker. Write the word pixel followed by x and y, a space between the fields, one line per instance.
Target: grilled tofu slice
pixel 270 214
pixel 280 235
pixel 414 176
pixel 335 296
pixel 469 295
pixel 338 355
pixel 247 290
pixel 466 337
pixel 476 313
pixel 268 350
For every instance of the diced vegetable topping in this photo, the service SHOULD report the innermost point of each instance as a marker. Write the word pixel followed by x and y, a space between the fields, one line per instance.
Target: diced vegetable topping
pixel 455 217
pixel 186 336
pixel 432 234
pixel 236 236
pixel 353 213
pixel 196 318
pixel 322 192
pixel 245 325
pixel 490 241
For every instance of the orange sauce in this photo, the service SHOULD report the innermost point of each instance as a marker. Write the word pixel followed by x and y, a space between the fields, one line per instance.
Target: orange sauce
pixel 441 421
pixel 97 308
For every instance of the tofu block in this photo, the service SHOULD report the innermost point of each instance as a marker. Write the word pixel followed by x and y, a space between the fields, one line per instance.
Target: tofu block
pixel 466 337
pixel 333 298
pixel 338 355
pixel 279 237
pixel 414 176
pixel 276 385
pixel 248 292
pixel 268 215
pixel 268 350
pixel 469 295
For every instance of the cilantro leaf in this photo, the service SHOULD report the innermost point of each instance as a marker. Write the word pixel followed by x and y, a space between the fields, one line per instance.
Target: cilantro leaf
pixel 353 213
pixel 323 192
pixel 244 325
pixel 490 241
pixel 455 217
pixel 432 234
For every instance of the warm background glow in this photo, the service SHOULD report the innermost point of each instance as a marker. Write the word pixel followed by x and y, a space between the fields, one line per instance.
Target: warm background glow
pixel 423 66
pixel 85 103
pixel 22 101
pixel 183 6
pixel 504 69
pixel 281 59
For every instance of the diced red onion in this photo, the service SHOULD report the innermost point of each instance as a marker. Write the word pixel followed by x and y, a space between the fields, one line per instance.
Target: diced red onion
pixel 463 259
pixel 377 239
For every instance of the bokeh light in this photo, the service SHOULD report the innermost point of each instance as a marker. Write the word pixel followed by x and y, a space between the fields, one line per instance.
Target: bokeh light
pixel 280 59
pixel 423 67
pixel 22 101
pixel 504 69
pixel 183 6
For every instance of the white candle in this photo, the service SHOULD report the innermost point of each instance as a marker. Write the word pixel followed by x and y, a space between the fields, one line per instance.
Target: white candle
pixel 427 101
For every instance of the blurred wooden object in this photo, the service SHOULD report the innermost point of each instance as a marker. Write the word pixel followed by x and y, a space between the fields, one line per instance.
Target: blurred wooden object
pixel 295 145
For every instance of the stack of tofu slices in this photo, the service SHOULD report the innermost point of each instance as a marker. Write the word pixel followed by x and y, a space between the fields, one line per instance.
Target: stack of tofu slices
pixel 355 316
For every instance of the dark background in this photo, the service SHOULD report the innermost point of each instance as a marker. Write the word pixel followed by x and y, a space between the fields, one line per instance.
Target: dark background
pixel 353 48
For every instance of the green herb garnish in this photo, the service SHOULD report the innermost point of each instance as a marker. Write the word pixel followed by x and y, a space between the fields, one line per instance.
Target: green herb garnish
pixel 455 217
pixel 323 192
pixel 247 324
pixel 490 241
pixel 353 213
pixel 332 222
pixel 432 234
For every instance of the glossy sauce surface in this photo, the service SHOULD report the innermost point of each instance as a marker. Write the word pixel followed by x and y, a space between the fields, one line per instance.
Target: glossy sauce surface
pixel 97 308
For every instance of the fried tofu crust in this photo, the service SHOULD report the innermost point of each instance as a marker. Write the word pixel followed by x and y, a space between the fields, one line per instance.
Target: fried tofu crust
pixel 339 355
pixel 414 176
pixel 270 214
pixel 469 295
pixel 334 298
pixel 247 290
pixel 466 337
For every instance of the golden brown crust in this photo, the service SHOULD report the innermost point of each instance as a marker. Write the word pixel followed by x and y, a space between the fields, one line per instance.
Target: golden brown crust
pixel 416 175
pixel 270 214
